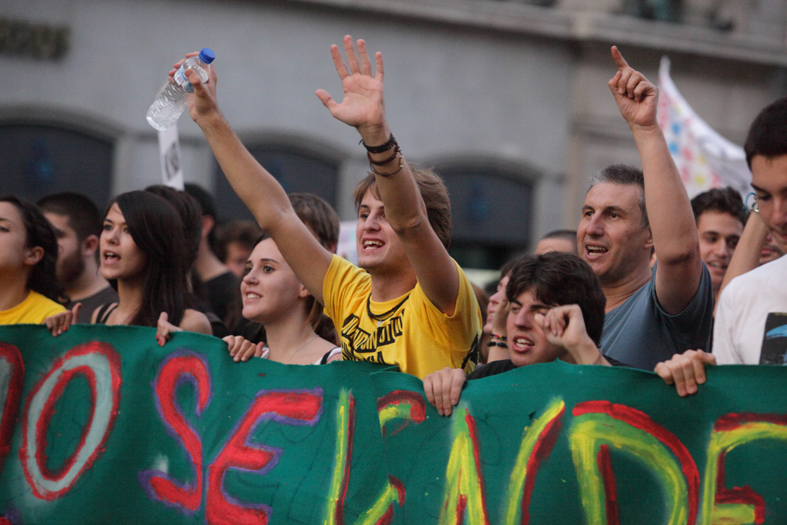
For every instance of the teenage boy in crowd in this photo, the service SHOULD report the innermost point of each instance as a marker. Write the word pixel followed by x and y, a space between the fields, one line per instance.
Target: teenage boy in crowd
pixel 410 304
pixel 556 312
pixel 720 217
pixel 627 213
pixel 77 224
pixel 751 319
pixel 217 285
pixel 558 241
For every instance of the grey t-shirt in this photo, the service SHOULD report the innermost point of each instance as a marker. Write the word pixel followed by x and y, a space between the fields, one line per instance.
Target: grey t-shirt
pixel 639 332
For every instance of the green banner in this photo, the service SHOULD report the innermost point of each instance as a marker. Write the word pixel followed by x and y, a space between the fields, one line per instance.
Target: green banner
pixel 101 425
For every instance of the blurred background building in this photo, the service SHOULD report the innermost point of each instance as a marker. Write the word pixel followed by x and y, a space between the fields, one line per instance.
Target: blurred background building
pixel 508 99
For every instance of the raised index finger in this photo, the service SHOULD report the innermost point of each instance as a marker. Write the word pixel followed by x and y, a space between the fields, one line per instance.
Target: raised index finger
pixel 618 58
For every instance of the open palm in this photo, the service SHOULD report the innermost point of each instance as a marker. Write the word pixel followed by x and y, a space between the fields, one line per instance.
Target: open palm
pixel 362 106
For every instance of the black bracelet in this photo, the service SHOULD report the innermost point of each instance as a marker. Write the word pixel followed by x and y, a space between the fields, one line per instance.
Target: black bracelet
pixel 496 343
pixel 382 147
pixel 384 161
pixel 401 165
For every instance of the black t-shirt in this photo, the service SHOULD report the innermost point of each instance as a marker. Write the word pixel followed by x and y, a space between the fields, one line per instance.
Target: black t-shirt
pixel 498 367
pixel 491 369
pixel 220 292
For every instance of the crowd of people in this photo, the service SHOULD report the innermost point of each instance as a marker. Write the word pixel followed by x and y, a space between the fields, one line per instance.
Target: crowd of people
pixel 636 285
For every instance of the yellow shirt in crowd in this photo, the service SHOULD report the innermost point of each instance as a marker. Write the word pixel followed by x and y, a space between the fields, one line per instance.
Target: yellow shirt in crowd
pixel 408 331
pixel 33 310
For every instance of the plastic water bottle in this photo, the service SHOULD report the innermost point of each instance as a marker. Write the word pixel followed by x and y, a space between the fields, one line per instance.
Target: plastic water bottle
pixel 171 101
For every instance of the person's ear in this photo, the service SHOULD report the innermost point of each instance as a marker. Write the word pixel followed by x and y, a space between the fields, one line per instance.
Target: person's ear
pixel 303 292
pixel 33 255
pixel 649 240
pixel 89 246
pixel 208 224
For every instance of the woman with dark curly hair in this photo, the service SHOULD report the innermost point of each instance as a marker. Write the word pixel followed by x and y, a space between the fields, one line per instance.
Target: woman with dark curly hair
pixel 144 257
pixel 28 252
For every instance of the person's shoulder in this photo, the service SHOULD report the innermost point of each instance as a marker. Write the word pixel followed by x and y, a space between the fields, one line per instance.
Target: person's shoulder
pixel 755 281
pixel 44 305
pixel 38 298
pixel 195 321
pixel 342 273
pixel 491 369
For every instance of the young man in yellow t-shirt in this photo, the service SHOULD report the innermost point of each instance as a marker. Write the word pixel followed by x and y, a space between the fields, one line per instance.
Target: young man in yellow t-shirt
pixel 411 305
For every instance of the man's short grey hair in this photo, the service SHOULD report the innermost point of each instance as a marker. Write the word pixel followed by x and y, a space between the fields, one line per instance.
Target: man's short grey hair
pixel 624 174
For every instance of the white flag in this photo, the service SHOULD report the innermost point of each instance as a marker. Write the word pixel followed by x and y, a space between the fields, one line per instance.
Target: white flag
pixel 169 152
pixel 704 158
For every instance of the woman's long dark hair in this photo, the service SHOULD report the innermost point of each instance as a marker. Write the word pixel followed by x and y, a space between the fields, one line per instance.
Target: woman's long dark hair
pixel 156 228
pixel 43 277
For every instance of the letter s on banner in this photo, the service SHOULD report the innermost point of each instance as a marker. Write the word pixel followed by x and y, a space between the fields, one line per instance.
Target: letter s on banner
pixel 100 364
pixel 180 367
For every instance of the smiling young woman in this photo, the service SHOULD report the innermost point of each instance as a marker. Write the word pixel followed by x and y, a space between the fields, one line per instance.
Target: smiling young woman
pixel 274 297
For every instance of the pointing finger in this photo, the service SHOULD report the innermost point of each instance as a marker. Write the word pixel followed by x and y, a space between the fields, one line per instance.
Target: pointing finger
pixel 618 58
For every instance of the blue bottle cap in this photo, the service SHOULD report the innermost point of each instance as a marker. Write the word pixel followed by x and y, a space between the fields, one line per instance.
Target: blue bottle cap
pixel 207 55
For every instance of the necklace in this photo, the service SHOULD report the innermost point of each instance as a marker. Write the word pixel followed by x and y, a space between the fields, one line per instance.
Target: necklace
pixel 385 315
pixel 304 345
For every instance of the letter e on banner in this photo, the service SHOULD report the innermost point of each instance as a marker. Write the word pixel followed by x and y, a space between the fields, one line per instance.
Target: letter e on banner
pixel 299 407
pixel 100 365
pixel 12 376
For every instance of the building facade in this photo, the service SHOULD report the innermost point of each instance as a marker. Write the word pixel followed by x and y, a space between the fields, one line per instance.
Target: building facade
pixel 507 99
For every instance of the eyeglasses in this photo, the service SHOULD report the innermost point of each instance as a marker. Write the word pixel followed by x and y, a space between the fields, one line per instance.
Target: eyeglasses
pixel 753 206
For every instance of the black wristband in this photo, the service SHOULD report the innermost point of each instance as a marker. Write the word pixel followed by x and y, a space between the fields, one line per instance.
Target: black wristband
pixel 383 162
pixel 496 343
pixel 382 147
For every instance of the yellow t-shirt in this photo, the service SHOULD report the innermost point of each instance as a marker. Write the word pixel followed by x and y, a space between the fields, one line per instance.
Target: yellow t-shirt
pixel 408 331
pixel 33 310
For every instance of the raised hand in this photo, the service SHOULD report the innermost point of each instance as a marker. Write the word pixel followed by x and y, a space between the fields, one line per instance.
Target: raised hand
pixel 363 106
pixel 637 98
pixel 500 318
pixel 59 323
pixel 202 103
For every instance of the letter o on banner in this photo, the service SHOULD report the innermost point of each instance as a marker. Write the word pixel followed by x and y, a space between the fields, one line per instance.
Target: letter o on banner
pixel 12 376
pixel 100 364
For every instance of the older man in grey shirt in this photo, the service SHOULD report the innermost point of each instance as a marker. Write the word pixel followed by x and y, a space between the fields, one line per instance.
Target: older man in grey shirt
pixel 651 314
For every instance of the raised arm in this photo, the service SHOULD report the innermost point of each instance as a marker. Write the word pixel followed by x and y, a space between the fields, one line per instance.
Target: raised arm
pixel 669 210
pixel 746 256
pixel 363 108
pixel 258 189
